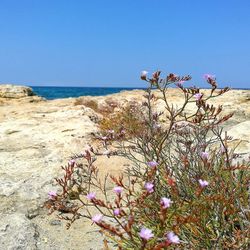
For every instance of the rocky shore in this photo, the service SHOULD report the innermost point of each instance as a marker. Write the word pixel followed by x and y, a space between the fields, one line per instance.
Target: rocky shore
pixel 38 136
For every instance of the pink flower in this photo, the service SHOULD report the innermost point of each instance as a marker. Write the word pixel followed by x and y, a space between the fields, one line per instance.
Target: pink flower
pixel 72 162
pixel 153 164
pixel 117 212
pixel 173 238
pixel 204 155
pixel 97 218
pixel 118 190
pixel 91 196
pixel 149 187
pixel 222 149
pixel 198 96
pixel 203 183
pixel 52 195
pixel 165 202
pixel 146 233
pixel 144 75
pixel 180 83
pixel 208 76
pixel 156 126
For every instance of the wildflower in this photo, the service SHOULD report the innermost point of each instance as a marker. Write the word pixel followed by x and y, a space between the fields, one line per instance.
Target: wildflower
pixel 118 190
pixel 144 75
pixel 156 74
pixel 208 76
pixel 204 155
pixel 149 187
pixel 156 126
pixel 123 131
pixel 180 83
pixel 198 96
pixel 117 212
pixel 72 162
pixel 173 238
pixel 91 196
pixel 52 195
pixel 146 233
pixel 203 183
pixel 172 77
pixel 97 218
pixel 165 202
pixel 153 164
pixel 222 149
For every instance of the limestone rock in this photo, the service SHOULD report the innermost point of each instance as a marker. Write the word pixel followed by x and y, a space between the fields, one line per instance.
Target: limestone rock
pixel 14 91
pixel 241 138
pixel 17 232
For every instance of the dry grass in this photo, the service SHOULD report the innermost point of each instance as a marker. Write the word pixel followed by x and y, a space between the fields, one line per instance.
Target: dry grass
pixel 128 118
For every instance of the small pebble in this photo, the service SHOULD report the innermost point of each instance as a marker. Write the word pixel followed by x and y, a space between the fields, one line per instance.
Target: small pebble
pixel 55 223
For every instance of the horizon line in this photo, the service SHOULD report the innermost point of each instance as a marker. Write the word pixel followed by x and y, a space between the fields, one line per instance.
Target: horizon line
pixel 61 86
pixel 110 87
pixel 117 87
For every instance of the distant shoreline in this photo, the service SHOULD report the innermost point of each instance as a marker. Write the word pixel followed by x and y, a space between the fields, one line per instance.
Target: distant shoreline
pixel 60 92
pixel 110 87
pixel 51 93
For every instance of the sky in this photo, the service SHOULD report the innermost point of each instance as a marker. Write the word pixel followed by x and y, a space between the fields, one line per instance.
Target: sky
pixel 109 42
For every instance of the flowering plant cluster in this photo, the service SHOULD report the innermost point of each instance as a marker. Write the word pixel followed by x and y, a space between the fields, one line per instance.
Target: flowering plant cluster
pixel 186 188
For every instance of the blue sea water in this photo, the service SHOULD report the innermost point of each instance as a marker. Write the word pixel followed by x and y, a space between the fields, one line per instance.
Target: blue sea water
pixel 65 92
pixel 51 93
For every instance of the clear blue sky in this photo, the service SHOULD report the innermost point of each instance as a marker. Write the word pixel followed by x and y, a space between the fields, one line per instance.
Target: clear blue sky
pixel 109 42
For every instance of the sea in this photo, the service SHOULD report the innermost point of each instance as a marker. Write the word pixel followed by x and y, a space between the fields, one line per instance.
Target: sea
pixel 51 93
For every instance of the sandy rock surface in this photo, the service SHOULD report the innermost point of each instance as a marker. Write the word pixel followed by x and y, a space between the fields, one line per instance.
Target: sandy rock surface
pixel 38 136
pixel 14 91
